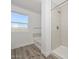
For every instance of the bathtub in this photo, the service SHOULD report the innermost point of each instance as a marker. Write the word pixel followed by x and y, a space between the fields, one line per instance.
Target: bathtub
pixel 61 52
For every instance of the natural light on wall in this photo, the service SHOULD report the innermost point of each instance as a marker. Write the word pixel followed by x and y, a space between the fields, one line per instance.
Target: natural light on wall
pixel 19 21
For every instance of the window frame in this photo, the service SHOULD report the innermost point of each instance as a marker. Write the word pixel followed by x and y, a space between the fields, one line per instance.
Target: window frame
pixel 20 29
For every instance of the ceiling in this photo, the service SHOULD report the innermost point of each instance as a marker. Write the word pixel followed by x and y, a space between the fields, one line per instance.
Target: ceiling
pixel 33 5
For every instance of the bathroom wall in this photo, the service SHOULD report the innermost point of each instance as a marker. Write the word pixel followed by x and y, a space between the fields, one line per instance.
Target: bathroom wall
pixel 64 24
pixel 25 37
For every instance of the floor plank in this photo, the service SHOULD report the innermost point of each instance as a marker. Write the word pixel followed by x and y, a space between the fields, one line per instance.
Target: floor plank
pixel 13 54
pixel 28 52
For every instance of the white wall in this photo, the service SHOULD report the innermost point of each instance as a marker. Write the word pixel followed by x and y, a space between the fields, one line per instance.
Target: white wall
pixel 56 41
pixel 64 24
pixel 19 39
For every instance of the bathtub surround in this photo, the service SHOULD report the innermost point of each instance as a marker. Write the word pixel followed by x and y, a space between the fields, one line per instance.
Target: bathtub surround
pixel 59 18
pixel 60 36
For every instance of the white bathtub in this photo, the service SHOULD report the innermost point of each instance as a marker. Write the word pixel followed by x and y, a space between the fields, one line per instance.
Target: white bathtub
pixel 61 52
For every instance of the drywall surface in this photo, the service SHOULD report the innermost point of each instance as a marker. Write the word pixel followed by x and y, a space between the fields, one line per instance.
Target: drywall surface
pixel 56 41
pixel 19 39
pixel 25 37
pixel 64 24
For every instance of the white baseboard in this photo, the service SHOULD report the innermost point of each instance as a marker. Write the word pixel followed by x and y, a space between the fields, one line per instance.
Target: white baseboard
pixel 38 46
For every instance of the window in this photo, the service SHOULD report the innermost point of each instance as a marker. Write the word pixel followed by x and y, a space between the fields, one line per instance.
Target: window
pixel 19 20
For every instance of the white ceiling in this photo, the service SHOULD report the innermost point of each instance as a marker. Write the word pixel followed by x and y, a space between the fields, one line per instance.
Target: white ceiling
pixel 33 5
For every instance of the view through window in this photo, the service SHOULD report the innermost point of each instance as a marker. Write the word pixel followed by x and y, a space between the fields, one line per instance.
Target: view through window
pixel 18 20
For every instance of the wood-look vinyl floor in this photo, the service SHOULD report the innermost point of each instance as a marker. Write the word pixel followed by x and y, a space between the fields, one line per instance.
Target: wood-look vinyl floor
pixel 28 52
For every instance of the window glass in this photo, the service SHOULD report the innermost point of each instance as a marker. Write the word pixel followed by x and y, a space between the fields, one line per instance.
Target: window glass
pixel 19 20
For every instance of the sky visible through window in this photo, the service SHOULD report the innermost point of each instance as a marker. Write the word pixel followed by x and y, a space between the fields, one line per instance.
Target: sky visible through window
pixel 19 20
